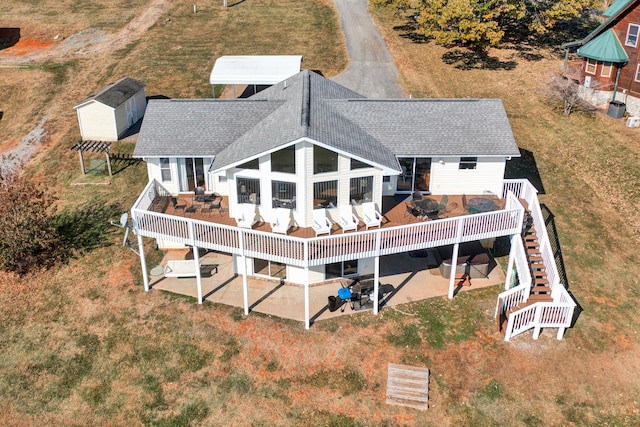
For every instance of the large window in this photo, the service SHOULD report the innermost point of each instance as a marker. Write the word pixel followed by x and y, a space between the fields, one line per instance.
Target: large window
pixel 324 160
pixel 269 268
pixel 590 66
pixel 165 169
pixel 632 35
pixel 248 190
pixel 284 160
pixel 361 190
pixel 251 164
pixel 468 163
pixel 341 269
pixel 357 164
pixel 638 74
pixel 284 194
pixel 606 69
pixel 325 194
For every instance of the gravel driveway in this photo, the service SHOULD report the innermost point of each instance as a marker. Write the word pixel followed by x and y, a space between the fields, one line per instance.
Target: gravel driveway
pixel 371 71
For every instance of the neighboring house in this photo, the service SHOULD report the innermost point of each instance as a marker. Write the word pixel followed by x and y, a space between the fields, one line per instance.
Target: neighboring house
pixel 309 144
pixel 109 113
pixel 608 66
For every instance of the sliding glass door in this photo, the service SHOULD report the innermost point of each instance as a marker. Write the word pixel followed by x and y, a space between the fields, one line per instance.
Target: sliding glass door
pixel 415 176
pixel 191 173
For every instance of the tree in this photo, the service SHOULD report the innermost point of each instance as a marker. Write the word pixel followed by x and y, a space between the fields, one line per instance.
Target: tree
pixel 28 237
pixel 566 90
pixel 481 24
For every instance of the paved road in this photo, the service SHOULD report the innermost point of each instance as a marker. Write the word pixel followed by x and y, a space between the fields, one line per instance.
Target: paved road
pixel 371 71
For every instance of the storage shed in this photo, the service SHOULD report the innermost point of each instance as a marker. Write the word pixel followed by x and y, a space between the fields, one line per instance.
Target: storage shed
pixel 109 113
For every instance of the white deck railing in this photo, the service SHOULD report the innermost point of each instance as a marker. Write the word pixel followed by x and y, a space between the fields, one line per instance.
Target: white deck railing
pixel 307 252
pixel 556 314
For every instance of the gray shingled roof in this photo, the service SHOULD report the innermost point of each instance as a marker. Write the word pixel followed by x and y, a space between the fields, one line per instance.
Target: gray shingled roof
pixel 115 94
pixel 309 106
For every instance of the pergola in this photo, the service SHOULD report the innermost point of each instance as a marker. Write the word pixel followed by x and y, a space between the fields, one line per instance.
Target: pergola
pixel 92 146
pixel 254 70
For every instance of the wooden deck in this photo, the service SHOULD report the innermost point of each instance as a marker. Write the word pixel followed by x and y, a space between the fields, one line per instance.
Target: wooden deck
pixel 393 210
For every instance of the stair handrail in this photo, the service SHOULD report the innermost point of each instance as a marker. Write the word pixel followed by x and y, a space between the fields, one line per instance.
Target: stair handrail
pixel 540 315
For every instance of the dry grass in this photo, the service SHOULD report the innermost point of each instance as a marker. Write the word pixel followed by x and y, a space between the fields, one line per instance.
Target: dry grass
pixel 83 344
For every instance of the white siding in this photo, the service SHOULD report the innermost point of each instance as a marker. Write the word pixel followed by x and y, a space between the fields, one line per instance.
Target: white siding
pixel 447 178
pixel 153 169
pixel 97 122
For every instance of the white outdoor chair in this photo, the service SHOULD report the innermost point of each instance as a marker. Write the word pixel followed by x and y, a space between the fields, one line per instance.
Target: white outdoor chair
pixel 248 215
pixel 282 221
pixel 370 216
pixel 321 224
pixel 348 220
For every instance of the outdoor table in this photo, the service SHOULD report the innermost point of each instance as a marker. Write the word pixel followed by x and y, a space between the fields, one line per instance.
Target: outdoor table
pixel 481 204
pixel 428 206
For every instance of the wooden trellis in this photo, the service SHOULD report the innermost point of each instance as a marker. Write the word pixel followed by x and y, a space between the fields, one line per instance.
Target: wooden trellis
pixel 92 146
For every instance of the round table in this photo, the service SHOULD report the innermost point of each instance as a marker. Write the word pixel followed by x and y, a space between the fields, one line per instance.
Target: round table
pixel 480 204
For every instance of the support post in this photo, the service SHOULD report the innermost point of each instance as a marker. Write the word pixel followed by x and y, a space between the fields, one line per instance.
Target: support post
pixel 108 161
pixel 196 259
pixel 81 160
pixel 508 276
pixel 454 265
pixel 243 269
pixel 143 263
pixel 376 275
pixel 307 323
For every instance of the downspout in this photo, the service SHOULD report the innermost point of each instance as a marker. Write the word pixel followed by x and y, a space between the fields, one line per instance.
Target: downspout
pixel 615 86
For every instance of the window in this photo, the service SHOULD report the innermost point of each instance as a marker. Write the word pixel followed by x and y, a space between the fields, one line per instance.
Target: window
pixel 248 190
pixel 386 178
pixel 165 169
pixel 324 160
pixel 325 194
pixel 341 269
pixel 251 164
pixel 606 69
pixel 590 66
pixel 468 163
pixel 284 194
pixel 361 190
pixel 269 268
pixel 632 35
pixel 284 160
pixel 357 164
pixel 638 74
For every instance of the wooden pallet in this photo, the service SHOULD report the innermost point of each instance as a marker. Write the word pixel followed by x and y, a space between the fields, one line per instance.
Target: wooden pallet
pixel 408 386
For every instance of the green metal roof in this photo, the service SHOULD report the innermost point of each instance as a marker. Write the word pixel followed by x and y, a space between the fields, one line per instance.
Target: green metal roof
pixel 606 47
pixel 616 7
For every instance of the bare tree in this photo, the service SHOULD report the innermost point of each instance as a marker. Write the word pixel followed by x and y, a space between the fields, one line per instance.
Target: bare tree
pixel 566 90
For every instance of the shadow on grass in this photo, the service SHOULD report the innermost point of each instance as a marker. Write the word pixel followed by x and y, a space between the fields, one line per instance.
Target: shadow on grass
pixel 525 167
pixel 473 60
pixel 87 228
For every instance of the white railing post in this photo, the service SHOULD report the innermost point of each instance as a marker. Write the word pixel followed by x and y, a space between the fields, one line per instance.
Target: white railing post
pixel 454 258
pixel 508 277
pixel 306 298
pixel 245 281
pixel 536 322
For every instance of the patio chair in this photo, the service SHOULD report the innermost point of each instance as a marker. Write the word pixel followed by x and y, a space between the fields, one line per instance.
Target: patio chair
pixel 198 195
pixel 465 202
pixel 282 221
pixel 370 216
pixel 447 211
pixel 348 220
pixel 248 215
pixel 178 206
pixel 443 201
pixel 321 224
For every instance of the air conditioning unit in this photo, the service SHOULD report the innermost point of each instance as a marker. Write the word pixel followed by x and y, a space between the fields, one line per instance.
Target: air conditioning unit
pixel 633 122
pixel 587 81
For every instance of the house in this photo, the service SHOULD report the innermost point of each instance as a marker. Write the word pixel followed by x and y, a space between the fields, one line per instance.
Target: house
pixel 307 144
pixel 109 113
pixel 607 64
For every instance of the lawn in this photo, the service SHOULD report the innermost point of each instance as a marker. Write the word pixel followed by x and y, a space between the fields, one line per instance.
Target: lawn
pixel 83 344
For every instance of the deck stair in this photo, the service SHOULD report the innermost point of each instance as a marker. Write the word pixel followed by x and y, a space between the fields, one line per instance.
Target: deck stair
pixel 540 290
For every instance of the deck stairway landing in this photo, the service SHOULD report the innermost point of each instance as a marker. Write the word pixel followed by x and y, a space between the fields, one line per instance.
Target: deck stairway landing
pixel 540 289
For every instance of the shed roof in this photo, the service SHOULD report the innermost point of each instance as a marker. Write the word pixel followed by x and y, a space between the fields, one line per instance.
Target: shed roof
pixel 605 47
pixel 256 69
pixel 115 94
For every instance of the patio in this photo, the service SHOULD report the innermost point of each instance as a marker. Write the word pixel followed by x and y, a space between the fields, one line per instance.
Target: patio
pixel 413 278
